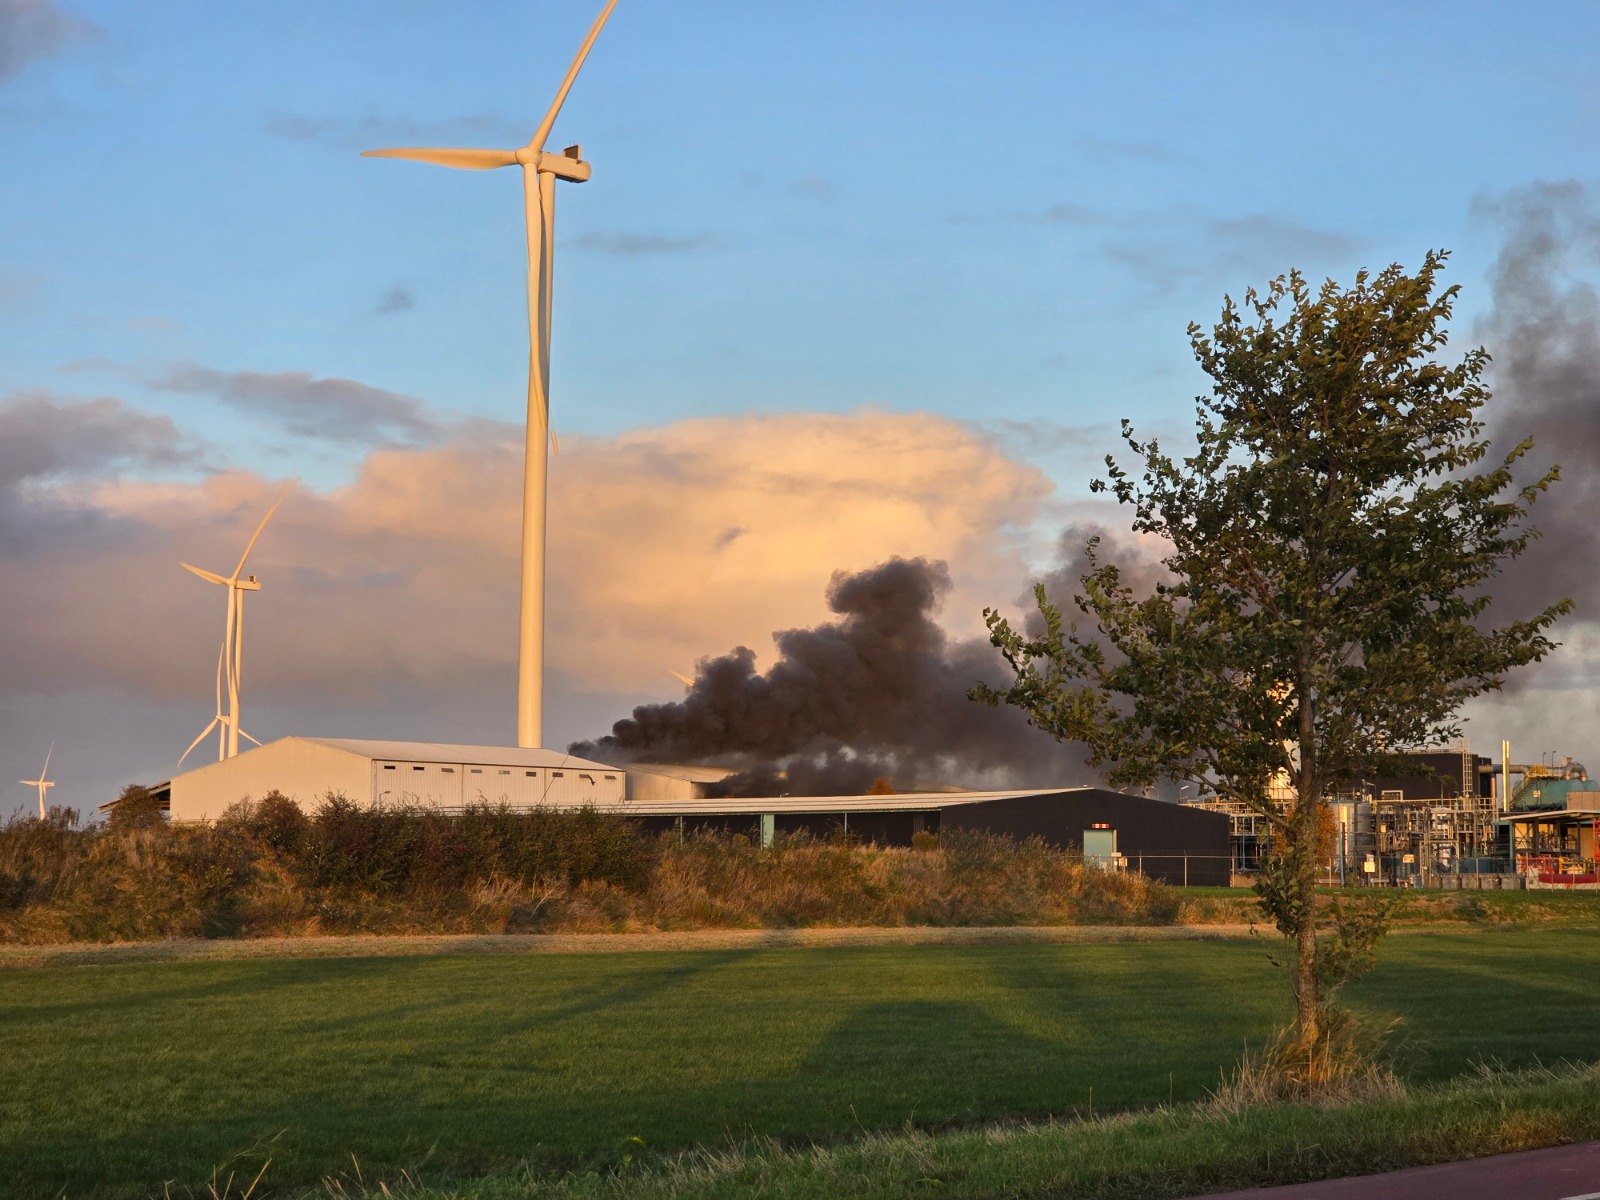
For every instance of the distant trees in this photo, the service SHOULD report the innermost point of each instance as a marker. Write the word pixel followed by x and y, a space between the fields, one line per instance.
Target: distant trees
pixel 1328 545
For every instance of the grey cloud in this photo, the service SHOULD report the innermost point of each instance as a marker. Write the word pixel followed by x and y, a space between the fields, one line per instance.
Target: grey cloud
pixel 35 29
pixel 49 438
pixel 1258 236
pixel 728 536
pixel 373 132
pixel 341 410
pixel 396 300
pixel 1068 213
pixel 1163 246
pixel 634 245
pixel 16 290
pixel 1030 438
pixel 814 186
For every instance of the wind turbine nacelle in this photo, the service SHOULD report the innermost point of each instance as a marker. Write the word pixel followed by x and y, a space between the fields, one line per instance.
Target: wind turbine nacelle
pixel 566 165
pixel 248 584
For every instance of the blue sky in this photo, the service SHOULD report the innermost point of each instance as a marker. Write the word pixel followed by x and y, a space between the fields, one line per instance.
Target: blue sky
pixel 1001 214
pixel 959 207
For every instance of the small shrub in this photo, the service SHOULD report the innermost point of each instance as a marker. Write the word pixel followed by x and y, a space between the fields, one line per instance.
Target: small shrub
pixel 136 808
pixel 279 822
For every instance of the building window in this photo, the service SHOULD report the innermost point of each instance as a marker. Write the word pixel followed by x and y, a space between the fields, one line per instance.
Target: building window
pixel 448 770
pixel 477 770
pixel 388 766
pixel 558 774
pixel 530 774
pixel 505 772
pixel 417 768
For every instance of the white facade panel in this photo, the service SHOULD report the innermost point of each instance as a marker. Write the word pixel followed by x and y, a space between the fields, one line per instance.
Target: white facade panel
pixel 393 774
pixel 424 784
pixel 303 770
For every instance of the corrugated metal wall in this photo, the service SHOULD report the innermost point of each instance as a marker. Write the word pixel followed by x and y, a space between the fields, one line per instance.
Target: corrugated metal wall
pixel 302 770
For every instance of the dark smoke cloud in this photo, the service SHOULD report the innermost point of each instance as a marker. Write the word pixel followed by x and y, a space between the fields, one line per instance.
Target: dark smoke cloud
pixel 1064 584
pixel 880 692
pixel 1544 334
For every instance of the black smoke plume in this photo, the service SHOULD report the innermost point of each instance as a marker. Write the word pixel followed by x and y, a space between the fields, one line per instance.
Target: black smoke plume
pixel 1544 334
pixel 879 693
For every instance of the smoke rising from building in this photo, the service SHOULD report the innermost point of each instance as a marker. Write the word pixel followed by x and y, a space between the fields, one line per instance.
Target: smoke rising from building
pixel 1544 334
pixel 879 692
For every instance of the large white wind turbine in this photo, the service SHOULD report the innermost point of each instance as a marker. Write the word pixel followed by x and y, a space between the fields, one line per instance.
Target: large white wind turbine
pixel 539 174
pixel 230 662
pixel 43 782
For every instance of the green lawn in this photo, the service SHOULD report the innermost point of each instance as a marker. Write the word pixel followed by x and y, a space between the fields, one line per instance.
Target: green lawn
pixel 116 1078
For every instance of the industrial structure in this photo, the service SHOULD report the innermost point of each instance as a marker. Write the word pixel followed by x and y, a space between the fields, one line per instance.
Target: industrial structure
pixel 1177 843
pixel 379 773
pixel 1452 815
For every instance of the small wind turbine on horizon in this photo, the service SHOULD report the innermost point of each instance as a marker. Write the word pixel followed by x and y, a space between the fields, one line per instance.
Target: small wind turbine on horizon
pixel 540 170
pixel 230 660
pixel 43 782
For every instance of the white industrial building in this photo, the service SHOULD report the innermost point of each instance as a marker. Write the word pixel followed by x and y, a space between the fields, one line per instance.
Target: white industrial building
pixel 430 774
pixel 651 783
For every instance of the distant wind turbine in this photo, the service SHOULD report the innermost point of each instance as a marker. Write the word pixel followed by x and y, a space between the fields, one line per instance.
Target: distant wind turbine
pixel 230 661
pixel 540 171
pixel 43 782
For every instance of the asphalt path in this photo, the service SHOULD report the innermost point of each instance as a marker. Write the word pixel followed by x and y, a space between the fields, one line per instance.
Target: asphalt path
pixel 1561 1173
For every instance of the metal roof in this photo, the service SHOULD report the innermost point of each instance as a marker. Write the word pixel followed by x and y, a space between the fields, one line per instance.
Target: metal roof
pixel 690 773
pixel 1549 815
pixel 450 752
pixel 904 802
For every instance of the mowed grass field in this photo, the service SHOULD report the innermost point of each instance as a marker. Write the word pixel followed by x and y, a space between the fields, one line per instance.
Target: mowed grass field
pixel 116 1078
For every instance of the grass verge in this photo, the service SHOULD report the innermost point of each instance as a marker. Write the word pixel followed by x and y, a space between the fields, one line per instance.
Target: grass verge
pixel 116 1077
pixel 1162 1155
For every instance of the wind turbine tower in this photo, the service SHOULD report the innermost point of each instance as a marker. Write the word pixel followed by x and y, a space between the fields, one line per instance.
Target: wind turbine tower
pixel 540 170
pixel 43 782
pixel 230 662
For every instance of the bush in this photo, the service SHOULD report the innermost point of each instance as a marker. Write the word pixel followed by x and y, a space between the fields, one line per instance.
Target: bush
pixel 269 868
pixel 136 808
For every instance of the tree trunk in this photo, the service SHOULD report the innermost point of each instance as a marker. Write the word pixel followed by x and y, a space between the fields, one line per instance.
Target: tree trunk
pixel 1307 800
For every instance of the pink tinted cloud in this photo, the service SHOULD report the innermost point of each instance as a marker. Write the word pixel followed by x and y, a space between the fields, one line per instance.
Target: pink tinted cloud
pixel 666 544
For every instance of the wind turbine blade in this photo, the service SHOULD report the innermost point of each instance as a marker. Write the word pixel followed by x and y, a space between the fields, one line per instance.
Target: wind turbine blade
pixel 243 734
pixel 543 132
pixel 555 444
pixel 45 774
pixel 208 576
pixel 199 739
pixel 681 678
pixel 462 160
pixel 239 570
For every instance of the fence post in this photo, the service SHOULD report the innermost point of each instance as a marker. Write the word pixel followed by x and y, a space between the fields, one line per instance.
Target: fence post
pixel 1186 869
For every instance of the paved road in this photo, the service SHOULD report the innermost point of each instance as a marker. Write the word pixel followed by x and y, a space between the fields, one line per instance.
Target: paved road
pixel 1562 1173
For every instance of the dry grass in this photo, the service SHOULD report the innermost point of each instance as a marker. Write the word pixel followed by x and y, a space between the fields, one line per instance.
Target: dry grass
pixel 268 873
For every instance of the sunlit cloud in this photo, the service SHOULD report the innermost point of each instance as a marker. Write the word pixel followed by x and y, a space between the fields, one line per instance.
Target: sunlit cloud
pixel 666 544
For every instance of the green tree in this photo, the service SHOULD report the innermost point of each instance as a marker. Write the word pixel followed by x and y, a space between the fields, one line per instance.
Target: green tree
pixel 1328 546
pixel 136 808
